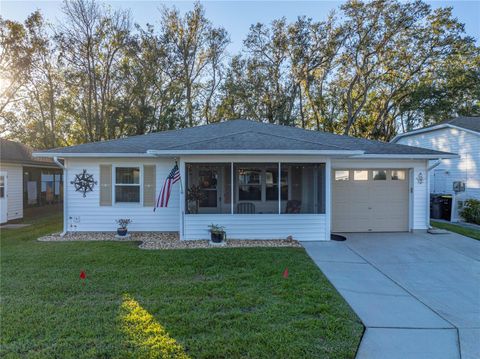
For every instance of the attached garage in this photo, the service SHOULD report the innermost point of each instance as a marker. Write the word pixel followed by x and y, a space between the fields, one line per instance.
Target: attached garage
pixel 370 200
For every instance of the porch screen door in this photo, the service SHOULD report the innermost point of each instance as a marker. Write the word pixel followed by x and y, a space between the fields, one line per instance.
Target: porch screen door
pixel 209 179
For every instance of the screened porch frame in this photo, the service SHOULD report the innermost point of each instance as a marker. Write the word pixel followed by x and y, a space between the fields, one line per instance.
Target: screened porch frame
pixel 234 185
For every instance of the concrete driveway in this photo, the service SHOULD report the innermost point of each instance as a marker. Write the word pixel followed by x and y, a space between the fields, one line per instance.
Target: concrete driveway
pixel 418 295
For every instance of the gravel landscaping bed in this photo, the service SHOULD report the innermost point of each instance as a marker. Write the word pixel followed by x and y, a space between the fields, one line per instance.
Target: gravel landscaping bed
pixel 165 240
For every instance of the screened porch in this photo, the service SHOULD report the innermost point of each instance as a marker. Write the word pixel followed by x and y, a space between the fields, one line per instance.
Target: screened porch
pixel 254 188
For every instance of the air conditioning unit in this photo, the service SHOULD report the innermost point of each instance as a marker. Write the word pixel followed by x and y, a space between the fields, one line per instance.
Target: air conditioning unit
pixel 458 186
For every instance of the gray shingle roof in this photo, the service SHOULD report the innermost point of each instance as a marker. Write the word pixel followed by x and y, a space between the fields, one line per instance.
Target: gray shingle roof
pixel 238 135
pixel 14 152
pixel 469 123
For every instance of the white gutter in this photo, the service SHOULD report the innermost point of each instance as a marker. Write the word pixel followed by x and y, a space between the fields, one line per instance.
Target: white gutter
pixel 254 152
pixel 65 197
pixel 154 153
pixel 409 157
pixel 96 154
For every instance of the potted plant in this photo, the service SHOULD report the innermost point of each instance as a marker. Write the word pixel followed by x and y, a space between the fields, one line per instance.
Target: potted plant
pixel 122 226
pixel 194 196
pixel 217 233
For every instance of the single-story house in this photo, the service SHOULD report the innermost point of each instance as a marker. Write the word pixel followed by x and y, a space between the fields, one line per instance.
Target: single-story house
pixel 26 181
pixel 258 180
pixel 458 177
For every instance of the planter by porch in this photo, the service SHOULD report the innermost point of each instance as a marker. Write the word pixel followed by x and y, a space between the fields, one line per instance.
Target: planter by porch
pixel 122 232
pixel 217 237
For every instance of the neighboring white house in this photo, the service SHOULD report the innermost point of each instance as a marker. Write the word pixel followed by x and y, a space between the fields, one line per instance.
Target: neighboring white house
pixel 260 181
pixel 25 181
pixel 462 136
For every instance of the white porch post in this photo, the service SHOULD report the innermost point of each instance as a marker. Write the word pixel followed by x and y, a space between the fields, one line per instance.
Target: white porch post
pixel 279 179
pixel 63 166
pixel 65 198
pixel 232 190
pixel 328 198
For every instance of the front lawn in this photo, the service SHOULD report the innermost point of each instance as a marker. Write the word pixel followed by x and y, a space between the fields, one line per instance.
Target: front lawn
pixel 198 303
pixel 469 232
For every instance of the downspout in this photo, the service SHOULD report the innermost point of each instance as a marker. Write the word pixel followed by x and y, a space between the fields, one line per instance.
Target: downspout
pixel 65 197
pixel 435 164
pixel 431 167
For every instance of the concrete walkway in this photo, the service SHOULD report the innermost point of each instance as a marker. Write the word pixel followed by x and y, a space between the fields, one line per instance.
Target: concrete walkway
pixel 418 295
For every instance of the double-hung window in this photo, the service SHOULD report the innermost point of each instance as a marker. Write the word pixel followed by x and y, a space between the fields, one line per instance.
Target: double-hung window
pixel 127 185
pixel 250 184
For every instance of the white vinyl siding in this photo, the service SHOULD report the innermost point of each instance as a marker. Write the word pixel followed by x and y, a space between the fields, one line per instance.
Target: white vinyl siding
pixel 465 169
pixel 85 213
pixel 302 227
pixel 14 190
pixel 421 197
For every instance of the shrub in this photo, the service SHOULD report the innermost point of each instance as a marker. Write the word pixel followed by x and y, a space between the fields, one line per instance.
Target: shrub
pixel 123 222
pixel 471 211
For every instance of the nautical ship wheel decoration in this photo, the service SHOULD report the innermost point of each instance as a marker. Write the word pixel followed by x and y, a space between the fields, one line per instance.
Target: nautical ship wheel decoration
pixel 84 182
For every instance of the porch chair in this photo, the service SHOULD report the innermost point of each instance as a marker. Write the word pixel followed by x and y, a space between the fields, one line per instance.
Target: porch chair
pixel 246 208
pixel 293 206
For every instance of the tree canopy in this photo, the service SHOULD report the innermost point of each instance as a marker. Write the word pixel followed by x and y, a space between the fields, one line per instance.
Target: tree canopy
pixel 369 69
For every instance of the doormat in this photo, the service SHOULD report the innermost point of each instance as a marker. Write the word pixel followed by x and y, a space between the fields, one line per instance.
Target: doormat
pixel 437 231
pixel 337 237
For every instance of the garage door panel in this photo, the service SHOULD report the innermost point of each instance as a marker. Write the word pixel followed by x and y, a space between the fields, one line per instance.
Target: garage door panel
pixel 371 205
pixel 349 225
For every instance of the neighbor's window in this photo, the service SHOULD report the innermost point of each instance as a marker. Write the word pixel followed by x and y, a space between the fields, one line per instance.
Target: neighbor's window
pixel 380 175
pixel 342 175
pixel 2 186
pixel 398 175
pixel 127 184
pixel 360 175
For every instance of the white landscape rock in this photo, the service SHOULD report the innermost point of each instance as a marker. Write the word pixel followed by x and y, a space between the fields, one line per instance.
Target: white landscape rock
pixel 164 240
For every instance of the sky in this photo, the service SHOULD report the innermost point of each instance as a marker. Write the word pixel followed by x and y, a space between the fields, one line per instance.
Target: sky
pixel 235 16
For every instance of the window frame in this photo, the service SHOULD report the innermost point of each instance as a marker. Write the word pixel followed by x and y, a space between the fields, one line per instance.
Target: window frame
pixel 361 170
pixel 405 175
pixel 260 185
pixel 378 170
pixel 114 185
pixel 349 175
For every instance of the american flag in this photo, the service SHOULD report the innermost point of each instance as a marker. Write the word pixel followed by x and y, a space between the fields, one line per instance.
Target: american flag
pixel 164 195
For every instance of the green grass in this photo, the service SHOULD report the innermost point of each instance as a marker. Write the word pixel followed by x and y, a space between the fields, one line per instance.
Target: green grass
pixel 469 232
pixel 210 303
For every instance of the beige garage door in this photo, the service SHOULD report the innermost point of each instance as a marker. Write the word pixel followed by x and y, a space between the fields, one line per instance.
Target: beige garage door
pixel 370 200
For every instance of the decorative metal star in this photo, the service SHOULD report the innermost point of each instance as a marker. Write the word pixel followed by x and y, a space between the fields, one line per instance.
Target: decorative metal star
pixel 84 182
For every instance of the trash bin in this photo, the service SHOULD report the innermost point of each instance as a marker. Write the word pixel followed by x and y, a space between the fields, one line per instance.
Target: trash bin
pixel 446 202
pixel 435 207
